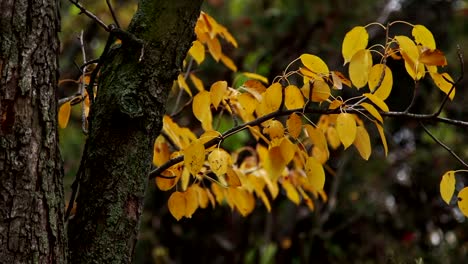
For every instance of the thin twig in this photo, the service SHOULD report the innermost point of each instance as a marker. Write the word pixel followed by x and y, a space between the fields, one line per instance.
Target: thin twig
pixel 444 146
pixel 82 86
pixel 109 5
pixel 90 15
pixel 413 99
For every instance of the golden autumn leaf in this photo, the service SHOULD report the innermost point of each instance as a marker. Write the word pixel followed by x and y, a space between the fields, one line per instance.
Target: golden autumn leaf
pixel 315 173
pixel 273 128
pixel 293 98
pixel 271 99
pixel 294 125
pixel 320 92
pixel 443 84
pixel 197 82
pixel 160 151
pixel 362 142
pixel 64 114
pixel 165 184
pixel 191 201
pixel 380 75
pixel 218 192
pixel 255 77
pixel 232 178
pixel 243 201
pixel 201 109
pixel 314 64
pixel 214 47
pixel 194 157
pixel 197 51
pixel 371 109
pixel 423 36
pixel 183 84
pixel 219 161
pixel 291 191
pixel 410 53
pixel 359 68
pixel 202 195
pixel 377 101
pixel 275 163
pixel 447 186
pixel 332 137
pixel 185 178
pixel 346 127
pixel 339 77
pixel 217 92
pixel 433 58
pixel 463 201
pixel 356 39
pixel 176 205
pixel 382 137
pixel 287 149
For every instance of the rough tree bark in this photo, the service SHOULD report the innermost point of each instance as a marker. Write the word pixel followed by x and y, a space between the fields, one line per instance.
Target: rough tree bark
pixel 125 119
pixel 31 191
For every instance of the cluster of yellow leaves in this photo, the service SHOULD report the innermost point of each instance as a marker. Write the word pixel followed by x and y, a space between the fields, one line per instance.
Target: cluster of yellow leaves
pixel 447 189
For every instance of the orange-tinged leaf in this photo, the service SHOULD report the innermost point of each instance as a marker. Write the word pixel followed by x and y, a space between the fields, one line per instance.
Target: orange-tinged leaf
pixel 64 114
pixel 381 75
pixel 214 47
pixel 333 137
pixel 194 157
pixel 183 84
pixel 315 64
pixel 315 173
pixel 291 191
pixel 294 125
pixel 273 128
pixel 177 205
pixel 359 68
pixel 371 109
pixel 293 98
pixel 160 151
pixel 433 58
pixel 377 101
pixel 463 201
pixel 217 92
pixel 197 82
pixel 443 84
pixel 201 109
pixel 197 51
pixel 346 127
pixel 232 178
pixel 219 161
pixel 228 62
pixel 423 36
pixel 320 92
pixel 362 142
pixel 165 184
pixel 447 186
pixel 356 39
pixel 255 77
pixel 317 136
pixel 336 75
pixel 410 53
pixel 335 104
pixel 382 136
pixel 276 163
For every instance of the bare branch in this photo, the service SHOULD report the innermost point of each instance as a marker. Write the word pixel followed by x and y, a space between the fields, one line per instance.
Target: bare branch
pixel 90 15
pixel 113 13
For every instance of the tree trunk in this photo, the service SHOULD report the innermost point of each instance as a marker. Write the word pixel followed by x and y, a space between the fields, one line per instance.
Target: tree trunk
pixel 31 191
pixel 125 120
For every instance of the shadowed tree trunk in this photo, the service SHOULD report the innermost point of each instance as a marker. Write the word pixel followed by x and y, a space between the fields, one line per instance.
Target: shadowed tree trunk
pixel 31 190
pixel 125 120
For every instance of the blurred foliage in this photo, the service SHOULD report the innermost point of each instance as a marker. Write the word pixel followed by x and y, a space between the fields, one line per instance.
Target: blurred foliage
pixel 380 211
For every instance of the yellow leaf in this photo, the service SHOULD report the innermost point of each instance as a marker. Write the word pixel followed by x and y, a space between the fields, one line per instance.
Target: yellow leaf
pixel 176 205
pixel 442 83
pixel 197 51
pixel 214 47
pixel 410 53
pixel 377 101
pixel 382 136
pixel 355 40
pixel 320 92
pixel 228 62
pixel 315 173
pixel 276 163
pixel 346 127
pixel 339 77
pixel 380 74
pixel 333 138
pixel 293 98
pixel 291 191
pixel 255 77
pixel 423 36
pixel 201 109
pixel 185 178
pixel 287 149
pixel 183 84
pixel 64 114
pixel 167 184
pixel 317 136
pixel 191 201
pixel 197 82
pixel 202 196
pixel 246 106
pixel 160 151
pixel 219 161
pixel 243 200
pixel 371 109
pixel 335 104
pixel 359 68
pixel 232 178
pixel 218 192
pixel 273 128
pixel 194 157
pixel 463 201
pixel 433 58
pixel 228 36
pixel 294 125
pixel 271 100
pixel 447 186
pixel 217 92
pixel 315 64
pixel 362 142
pixel 210 197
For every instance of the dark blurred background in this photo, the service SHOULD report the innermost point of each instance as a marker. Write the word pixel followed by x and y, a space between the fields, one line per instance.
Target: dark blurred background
pixel 385 210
